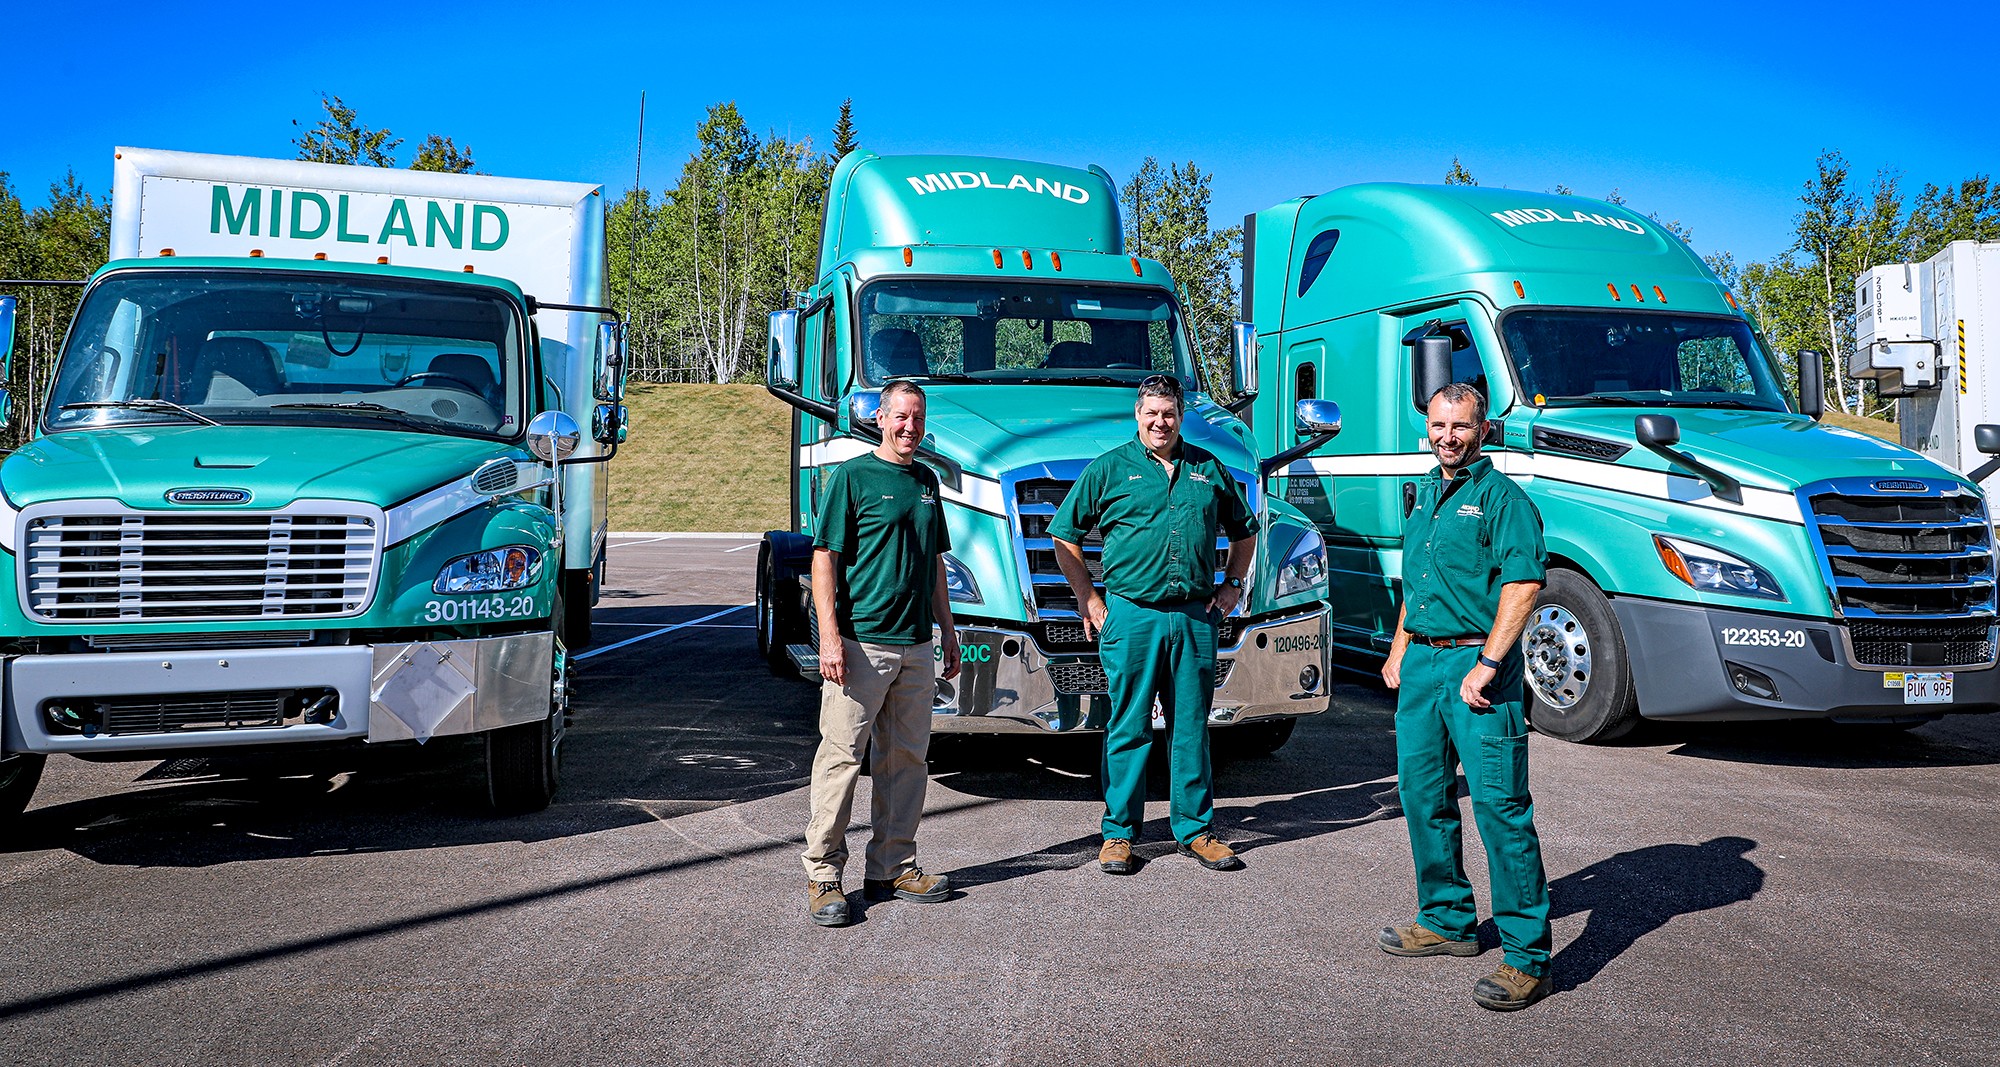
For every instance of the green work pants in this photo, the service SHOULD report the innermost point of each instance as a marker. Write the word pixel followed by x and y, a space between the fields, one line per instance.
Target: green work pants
pixel 1166 652
pixel 1435 731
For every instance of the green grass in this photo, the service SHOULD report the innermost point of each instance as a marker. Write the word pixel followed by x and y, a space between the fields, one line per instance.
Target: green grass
pixel 702 457
pixel 1876 427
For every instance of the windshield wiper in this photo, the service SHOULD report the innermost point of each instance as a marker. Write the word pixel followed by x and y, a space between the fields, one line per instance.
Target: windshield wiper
pixel 366 407
pixel 1081 379
pixel 1724 402
pixel 933 376
pixel 1613 399
pixel 143 404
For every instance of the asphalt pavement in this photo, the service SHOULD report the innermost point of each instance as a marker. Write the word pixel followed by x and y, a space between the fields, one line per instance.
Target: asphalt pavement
pixel 1724 894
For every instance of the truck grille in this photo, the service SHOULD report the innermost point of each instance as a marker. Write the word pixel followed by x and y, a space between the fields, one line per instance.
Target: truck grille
pixel 1076 679
pixel 1912 575
pixel 210 566
pixel 187 712
pixel 1035 504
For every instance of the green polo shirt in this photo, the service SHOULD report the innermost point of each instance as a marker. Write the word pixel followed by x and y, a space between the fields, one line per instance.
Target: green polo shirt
pixel 884 520
pixel 1465 539
pixel 1159 529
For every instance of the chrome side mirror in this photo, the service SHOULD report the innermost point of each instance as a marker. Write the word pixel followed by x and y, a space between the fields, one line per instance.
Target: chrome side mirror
pixel 553 435
pixel 1243 358
pixel 781 363
pixel 1315 417
pixel 608 424
pixel 864 406
pixel 610 371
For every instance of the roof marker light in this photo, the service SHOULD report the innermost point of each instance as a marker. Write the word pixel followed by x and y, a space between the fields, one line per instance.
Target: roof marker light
pixel 997 261
pixel 1520 292
pixel 166 251
pixel 382 260
pixel 1636 294
pixel 256 253
pixel 1056 259
pixel 1027 261
pixel 1662 296
pixel 1613 286
pixel 1729 296
pixel 1136 272
pixel 908 257
pixel 468 268
pixel 319 255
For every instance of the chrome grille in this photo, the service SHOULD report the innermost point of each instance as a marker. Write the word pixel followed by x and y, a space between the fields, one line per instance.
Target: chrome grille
pixel 1035 504
pixel 124 566
pixel 1912 575
pixel 1088 676
pixel 116 642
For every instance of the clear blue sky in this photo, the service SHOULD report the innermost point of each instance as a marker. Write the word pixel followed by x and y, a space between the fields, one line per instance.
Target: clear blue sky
pixel 1711 114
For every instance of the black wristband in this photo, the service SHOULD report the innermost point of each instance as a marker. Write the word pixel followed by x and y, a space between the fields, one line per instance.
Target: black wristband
pixel 1484 662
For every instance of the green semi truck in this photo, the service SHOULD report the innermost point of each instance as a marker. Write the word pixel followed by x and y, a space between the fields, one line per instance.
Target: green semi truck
pixel 311 471
pixel 1715 551
pixel 1004 289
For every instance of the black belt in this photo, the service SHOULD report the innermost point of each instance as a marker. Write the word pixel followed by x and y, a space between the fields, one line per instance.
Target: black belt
pixel 1448 642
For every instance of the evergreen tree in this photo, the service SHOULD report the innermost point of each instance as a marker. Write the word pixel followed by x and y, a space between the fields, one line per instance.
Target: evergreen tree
pixel 440 154
pixel 844 140
pixel 340 138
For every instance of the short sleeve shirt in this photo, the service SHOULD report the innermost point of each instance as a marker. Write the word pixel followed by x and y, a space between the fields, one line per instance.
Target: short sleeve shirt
pixel 1465 539
pixel 885 522
pixel 1159 529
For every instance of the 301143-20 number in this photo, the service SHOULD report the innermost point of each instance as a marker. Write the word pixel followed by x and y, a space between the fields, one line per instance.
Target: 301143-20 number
pixel 479 608
pixel 1763 636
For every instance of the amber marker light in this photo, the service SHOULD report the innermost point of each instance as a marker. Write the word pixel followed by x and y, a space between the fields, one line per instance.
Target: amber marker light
pixel 1520 292
pixel 256 253
pixel 1636 294
pixel 997 261
pixel 1027 261
pixel 319 255
pixel 1136 272
pixel 382 260
pixel 166 252
pixel 1731 297
pixel 1056 259
pixel 909 257
pixel 1613 286
pixel 1672 560
pixel 468 268
pixel 1660 295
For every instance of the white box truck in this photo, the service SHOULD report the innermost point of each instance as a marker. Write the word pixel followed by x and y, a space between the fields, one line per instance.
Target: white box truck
pixel 1924 334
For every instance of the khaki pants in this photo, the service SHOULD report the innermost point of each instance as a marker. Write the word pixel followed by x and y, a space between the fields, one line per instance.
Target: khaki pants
pixel 883 712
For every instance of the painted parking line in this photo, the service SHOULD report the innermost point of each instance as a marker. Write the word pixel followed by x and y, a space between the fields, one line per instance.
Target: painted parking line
pixel 740 548
pixel 658 632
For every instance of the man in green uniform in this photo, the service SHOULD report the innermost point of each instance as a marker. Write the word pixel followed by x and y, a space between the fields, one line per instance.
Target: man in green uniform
pixel 1472 564
pixel 878 585
pixel 1158 502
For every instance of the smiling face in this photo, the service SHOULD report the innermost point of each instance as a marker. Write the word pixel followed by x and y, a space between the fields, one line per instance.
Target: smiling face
pixel 1455 430
pixel 901 420
pixel 1159 424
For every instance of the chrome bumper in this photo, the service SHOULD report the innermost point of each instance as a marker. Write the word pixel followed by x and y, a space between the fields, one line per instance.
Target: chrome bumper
pixel 395 692
pixel 1005 684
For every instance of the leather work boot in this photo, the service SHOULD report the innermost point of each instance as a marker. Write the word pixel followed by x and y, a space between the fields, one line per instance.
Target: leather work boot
pixel 1211 853
pixel 1116 856
pixel 1416 939
pixel 826 905
pixel 1509 989
pixel 912 884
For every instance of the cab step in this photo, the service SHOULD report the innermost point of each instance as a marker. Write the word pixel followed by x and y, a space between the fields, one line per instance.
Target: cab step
pixel 805 659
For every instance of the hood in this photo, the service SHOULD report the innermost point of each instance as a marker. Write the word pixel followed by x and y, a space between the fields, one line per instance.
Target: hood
pixel 1767 449
pixel 139 465
pixel 991 429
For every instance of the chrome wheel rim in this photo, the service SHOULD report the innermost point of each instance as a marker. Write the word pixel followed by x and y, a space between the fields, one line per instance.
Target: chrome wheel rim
pixel 1557 648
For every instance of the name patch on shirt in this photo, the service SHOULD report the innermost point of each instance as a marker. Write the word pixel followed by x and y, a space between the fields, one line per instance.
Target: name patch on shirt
pixel 1202 478
pixel 1472 510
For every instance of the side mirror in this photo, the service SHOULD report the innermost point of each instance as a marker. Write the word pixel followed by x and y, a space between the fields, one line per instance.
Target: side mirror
pixel 1243 358
pixel 608 424
pixel 863 406
pixel 781 362
pixel 1430 368
pixel 1812 385
pixel 1317 417
pixel 1657 431
pixel 1985 438
pixel 610 373
pixel 7 304
pixel 553 435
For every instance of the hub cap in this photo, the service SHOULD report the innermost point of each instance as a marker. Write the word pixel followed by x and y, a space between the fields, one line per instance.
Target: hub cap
pixel 1558 657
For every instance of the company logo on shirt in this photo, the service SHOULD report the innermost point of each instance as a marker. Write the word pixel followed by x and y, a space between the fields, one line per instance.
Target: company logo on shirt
pixel 1472 510
pixel 1133 477
pixel 928 497
pixel 1202 478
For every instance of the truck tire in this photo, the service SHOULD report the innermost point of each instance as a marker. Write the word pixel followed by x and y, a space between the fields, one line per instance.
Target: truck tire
pixel 576 608
pixel 1579 676
pixel 1255 738
pixel 524 761
pixel 19 775
pixel 778 622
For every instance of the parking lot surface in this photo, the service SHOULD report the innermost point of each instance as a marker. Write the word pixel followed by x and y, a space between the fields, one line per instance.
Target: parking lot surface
pixel 1724 894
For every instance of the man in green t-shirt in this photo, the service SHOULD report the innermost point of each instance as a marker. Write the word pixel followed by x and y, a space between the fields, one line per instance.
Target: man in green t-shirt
pixel 1472 564
pixel 878 586
pixel 1158 502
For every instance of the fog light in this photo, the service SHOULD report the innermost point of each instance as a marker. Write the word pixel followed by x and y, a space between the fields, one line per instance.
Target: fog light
pixel 1309 679
pixel 65 717
pixel 1752 682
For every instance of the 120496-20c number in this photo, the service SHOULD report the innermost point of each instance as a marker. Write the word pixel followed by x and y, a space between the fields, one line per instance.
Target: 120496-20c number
pixel 1763 636
pixel 479 609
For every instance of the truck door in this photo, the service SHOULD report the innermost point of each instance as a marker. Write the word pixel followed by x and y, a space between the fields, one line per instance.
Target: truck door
pixel 818 382
pixel 1413 438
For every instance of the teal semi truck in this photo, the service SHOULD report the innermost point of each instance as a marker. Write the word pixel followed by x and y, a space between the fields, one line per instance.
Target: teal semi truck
pixel 1004 289
pixel 311 470
pixel 1715 551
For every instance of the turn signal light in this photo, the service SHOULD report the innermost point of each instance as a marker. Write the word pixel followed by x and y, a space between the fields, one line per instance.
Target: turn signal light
pixel 1672 561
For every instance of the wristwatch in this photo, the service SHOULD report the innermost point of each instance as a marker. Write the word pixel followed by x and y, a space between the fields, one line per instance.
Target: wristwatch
pixel 1234 583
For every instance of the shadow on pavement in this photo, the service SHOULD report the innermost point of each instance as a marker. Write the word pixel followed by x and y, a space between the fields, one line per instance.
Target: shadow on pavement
pixel 1635 893
pixel 1811 743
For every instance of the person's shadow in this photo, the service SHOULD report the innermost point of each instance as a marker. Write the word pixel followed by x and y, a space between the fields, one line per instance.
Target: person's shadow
pixel 1635 893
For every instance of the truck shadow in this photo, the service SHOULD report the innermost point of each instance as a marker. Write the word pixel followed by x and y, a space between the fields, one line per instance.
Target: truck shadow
pixel 1961 741
pixel 1634 893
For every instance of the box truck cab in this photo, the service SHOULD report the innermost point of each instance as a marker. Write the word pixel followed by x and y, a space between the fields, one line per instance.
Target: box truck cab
pixel 310 470
pixel 1714 551
pixel 1003 288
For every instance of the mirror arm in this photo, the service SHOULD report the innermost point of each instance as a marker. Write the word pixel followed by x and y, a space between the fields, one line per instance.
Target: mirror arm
pixel 1284 459
pixel 826 413
pixel 1725 487
pixel 1984 470
pixel 544 305
pixel 1240 404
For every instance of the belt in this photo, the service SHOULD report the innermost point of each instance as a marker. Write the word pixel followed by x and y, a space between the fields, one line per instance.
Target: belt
pixel 1448 642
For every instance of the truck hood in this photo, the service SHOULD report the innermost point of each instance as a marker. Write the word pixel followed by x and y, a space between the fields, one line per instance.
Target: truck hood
pixel 991 429
pixel 278 465
pixel 1765 449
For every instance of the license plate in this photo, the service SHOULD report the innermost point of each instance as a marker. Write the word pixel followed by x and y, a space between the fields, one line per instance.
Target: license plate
pixel 1927 687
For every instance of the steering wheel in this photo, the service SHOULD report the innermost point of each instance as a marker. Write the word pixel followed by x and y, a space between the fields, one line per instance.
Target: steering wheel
pixel 423 375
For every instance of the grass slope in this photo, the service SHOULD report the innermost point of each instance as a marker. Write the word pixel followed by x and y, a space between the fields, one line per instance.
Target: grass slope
pixel 702 458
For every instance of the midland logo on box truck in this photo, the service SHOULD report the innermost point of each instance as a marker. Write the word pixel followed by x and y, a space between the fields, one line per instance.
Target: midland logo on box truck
pixel 359 218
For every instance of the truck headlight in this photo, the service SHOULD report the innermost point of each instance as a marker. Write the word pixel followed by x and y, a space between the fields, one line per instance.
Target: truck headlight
pixel 491 571
pixel 1714 571
pixel 1304 566
pixel 959 587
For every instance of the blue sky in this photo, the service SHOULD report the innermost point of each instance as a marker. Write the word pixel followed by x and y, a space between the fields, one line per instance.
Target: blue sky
pixel 1711 114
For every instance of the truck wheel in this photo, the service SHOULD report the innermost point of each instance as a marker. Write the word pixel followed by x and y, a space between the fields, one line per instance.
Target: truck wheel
pixel 576 608
pixel 19 775
pixel 524 761
pixel 777 615
pixel 1579 678
pixel 1255 738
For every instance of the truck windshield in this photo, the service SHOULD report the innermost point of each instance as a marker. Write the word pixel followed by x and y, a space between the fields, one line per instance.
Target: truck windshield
pixel 241 347
pixel 981 331
pixel 1568 358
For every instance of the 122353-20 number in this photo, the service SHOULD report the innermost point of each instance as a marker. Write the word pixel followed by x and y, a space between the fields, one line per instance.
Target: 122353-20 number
pixel 479 609
pixel 1763 637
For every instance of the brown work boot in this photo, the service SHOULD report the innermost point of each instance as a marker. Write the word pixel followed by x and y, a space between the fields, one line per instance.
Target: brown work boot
pixel 826 905
pixel 1211 853
pixel 1416 939
pixel 1116 856
pixel 1510 989
pixel 912 884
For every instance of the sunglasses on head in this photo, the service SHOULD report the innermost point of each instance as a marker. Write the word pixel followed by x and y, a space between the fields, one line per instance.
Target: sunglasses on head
pixel 1162 381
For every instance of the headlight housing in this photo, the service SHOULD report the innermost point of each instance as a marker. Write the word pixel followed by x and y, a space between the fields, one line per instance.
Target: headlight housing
pixel 1712 570
pixel 959 587
pixel 491 571
pixel 1304 566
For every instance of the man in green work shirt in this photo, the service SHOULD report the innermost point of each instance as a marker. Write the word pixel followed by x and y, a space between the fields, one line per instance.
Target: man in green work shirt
pixel 878 585
pixel 1158 502
pixel 1472 564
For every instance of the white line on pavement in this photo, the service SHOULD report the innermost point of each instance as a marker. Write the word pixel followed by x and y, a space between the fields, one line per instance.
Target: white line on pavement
pixel 629 544
pixel 740 548
pixel 658 632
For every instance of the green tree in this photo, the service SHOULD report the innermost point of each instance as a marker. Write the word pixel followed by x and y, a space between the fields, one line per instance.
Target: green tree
pixel 1166 211
pixel 440 154
pixel 1458 175
pixel 1968 211
pixel 844 139
pixel 63 240
pixel 340 138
